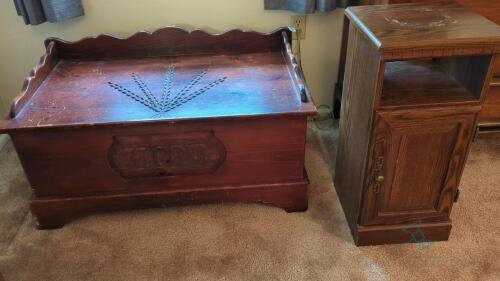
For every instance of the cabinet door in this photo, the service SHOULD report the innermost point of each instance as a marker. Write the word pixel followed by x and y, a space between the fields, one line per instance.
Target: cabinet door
pixel 416 164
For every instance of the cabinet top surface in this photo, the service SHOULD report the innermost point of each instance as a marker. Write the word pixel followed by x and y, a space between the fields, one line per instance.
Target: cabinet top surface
pixel 416 26
pixel 488 8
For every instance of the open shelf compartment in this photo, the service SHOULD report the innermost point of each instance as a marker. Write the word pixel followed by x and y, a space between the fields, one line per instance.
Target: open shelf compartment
pixel 439 81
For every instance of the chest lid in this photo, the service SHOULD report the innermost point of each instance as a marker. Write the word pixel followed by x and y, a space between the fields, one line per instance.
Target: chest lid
pixel 169 75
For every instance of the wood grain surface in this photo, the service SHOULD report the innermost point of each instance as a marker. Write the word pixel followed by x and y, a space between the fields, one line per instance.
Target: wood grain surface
pixel 413 88
pixel 426 30
pixel 77 92
pixel 489 118
pixel 161 119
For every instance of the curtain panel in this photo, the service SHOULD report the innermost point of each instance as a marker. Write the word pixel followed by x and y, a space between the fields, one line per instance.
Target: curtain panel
pixel 39 11
pixel 305 6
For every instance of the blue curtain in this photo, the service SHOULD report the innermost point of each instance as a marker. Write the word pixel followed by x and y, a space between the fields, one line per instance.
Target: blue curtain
pixel 305 6
pixel 39 11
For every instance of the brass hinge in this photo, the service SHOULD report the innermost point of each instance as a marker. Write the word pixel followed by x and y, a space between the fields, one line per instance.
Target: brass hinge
pixel 377 178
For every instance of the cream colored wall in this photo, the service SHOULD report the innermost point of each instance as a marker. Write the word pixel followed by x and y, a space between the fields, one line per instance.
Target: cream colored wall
pixel 21 46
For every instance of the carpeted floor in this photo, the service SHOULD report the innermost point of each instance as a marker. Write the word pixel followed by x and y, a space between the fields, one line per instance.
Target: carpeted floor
pixel 250 241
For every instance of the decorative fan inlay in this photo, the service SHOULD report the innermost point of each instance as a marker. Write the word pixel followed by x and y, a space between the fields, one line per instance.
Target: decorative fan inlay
pixel 168 99
pixel 435 18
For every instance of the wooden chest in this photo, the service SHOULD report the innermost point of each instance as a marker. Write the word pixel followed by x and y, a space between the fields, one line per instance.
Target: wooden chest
pixel 159 119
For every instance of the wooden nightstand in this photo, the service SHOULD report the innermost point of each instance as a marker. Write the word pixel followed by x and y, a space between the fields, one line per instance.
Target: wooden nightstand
pixel 489 118
pixel 414 86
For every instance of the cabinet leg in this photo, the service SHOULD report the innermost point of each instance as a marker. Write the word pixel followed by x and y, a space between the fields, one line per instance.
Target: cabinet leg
pixel 402 233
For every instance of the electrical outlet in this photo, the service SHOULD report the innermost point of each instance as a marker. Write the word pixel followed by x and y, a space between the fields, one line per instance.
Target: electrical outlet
pixel 299 23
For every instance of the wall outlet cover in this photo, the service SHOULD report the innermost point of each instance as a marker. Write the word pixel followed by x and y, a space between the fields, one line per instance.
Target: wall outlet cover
pixel 299 23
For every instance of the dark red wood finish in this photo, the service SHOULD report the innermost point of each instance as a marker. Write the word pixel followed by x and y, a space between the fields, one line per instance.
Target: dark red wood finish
pixel 109 124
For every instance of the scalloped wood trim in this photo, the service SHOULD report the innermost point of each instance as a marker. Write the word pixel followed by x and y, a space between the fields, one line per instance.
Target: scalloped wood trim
pixel 169 41
pixel 158 32
pixel 34 80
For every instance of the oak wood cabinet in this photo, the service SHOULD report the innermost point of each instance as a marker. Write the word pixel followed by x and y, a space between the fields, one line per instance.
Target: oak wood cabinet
pixel 489 118
pixel 415 161
pixel 415 81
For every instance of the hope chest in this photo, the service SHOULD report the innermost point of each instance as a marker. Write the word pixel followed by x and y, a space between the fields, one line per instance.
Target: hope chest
pixel 160 119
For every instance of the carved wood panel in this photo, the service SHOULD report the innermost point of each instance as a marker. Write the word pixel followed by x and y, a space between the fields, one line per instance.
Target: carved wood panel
pixel 166 155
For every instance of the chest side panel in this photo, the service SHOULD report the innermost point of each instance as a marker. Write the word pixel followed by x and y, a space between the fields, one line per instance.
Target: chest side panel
pixel 177 156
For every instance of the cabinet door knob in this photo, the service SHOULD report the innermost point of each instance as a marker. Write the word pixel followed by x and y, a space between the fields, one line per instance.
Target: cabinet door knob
pixel 380 179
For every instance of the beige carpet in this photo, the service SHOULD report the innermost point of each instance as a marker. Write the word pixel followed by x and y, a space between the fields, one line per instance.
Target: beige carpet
pixel 250 241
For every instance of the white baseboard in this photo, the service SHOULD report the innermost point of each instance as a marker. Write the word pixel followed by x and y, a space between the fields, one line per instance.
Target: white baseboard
pixel 3 140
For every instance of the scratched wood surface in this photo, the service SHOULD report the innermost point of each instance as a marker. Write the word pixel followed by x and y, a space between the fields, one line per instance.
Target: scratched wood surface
pixel 422 29
pixel 161 119
pixel 89 81
pixel 489 118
